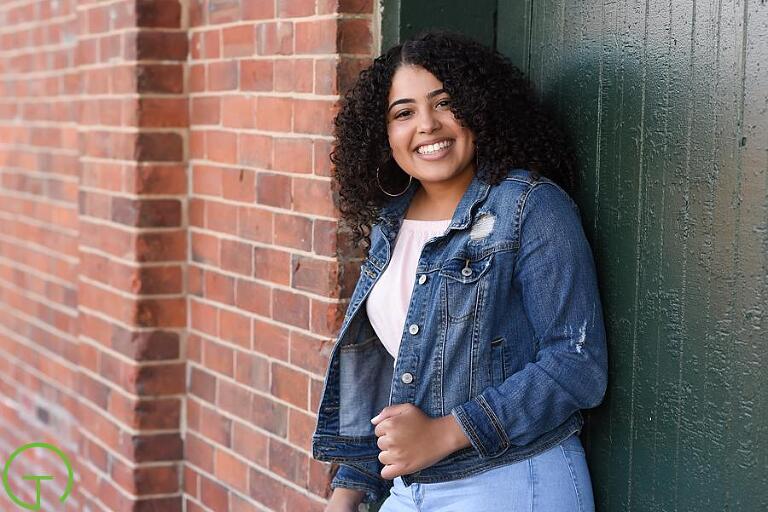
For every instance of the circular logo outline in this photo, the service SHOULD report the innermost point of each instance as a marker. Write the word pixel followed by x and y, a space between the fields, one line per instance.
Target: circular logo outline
pixel 19 451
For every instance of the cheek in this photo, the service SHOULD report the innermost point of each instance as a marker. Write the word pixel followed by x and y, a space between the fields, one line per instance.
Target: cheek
pixel 398 140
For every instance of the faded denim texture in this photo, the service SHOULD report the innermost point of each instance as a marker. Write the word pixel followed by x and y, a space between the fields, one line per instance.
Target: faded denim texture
pixel 505 332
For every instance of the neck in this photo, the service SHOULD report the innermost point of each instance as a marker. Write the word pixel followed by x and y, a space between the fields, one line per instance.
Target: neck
pixel 438 200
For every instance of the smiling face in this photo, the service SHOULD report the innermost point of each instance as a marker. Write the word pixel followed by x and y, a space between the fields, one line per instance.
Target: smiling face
pixel 427 141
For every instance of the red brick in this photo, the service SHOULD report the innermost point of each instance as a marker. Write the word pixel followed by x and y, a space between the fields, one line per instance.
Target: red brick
pixel 273 190
pixel 158 13
pixel 163 246
pixel 326 317
pixel 257 75
pixel 255 224
pixel 155 447
pixel 221 217
pixel 255 150
pixel 293 154
pixel 218 358
pixel 274 38
pixel 322 160
pixel 294 231
pixel 213 494
pixel 219 288
pixel 238 111
pixel 294 75
pixel 289 385
pixel 301 426
pixel 237 41
pixel 204 318
pixel 146 212
pixel 159 147
pixel 212 44
pixel 348 72
pixel 235 328
pixel 269 415
pixel 257 9
pixel 313 116
pixel 221 146
pixel 205 110
pixel 231 471
pixel 198 453
pixel 197 77
pixel 252 370
pixel 207 180
pixel 316 276
pixel 205 248
pixel 236 257
pixel 354 36
pixel 270 339
pixel 274 114
pixel 316 36
pixel 159 78
pixel 290 308
pixel 215 426
pixel 223 11
pixel 288 462
pixel 162 112
pixel 202 384
pixel 295 8
pixel 313 196
pixel 250 443
pixel 272 265
pixel 160 45
pixel 325 76
pixel 222 75
pixel 253 297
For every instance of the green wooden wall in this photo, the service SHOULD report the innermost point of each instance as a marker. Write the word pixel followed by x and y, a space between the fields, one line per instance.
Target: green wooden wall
pixel 666 103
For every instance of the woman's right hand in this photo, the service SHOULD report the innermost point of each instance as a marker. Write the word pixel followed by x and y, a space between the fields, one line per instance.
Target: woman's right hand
pixel 344 500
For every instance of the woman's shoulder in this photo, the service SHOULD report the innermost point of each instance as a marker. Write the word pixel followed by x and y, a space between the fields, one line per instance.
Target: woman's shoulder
pixel 523 190
pixel 522 182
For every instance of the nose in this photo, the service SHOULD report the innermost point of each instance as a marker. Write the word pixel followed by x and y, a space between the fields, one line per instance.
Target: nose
pixel 427 121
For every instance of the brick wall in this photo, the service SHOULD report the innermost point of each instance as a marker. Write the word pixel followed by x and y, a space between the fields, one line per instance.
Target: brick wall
pixel 171 275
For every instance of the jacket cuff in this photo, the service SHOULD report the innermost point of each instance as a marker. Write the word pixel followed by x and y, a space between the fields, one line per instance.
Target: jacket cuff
pixel 482 427
pixel 348 477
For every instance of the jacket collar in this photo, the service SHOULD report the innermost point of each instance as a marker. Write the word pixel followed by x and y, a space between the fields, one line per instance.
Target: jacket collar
pixel 391 214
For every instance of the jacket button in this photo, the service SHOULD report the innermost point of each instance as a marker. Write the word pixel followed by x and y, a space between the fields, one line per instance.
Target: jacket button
pixel 466 271
pixel 413 329
pixel 407 378
pixel 422 279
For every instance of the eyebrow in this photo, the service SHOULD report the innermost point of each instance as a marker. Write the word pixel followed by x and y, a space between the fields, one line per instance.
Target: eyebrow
pixel 430 95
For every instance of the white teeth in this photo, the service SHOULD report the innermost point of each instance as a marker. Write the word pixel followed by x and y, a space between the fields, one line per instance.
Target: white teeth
pixel 433 148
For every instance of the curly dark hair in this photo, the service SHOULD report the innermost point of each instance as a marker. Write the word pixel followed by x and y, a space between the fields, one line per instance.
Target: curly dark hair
pixel 489 95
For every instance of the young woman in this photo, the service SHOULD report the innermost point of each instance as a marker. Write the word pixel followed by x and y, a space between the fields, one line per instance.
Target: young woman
pixel 475 333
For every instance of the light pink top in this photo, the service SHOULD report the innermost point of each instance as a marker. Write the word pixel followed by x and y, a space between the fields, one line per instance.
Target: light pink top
pixel 387 304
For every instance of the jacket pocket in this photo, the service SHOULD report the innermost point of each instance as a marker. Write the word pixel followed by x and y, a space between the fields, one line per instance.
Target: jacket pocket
pixel 498 367
pixel 463 278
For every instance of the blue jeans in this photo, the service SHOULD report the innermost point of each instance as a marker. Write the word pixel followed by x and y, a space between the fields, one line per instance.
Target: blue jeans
pixel 556 480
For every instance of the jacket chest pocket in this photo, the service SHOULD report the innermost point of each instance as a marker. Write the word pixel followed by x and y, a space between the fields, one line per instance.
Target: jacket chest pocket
pixel 465 280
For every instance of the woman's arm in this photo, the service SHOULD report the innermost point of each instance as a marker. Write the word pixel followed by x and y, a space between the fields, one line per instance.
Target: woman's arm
pixel 555 276
pixel 344 500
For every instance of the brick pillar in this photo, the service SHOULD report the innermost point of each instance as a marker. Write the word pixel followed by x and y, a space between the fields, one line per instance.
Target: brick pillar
pixel 267 282
pixel 132 307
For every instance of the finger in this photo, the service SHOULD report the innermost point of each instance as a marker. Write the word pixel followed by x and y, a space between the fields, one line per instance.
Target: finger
pixel 388 412
pixel 391 471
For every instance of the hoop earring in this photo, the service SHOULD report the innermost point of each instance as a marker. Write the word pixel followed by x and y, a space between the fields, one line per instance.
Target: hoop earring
pixel 410 179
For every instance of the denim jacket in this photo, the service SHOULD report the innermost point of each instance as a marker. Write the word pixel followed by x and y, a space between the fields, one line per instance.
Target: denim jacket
pixel 504 331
